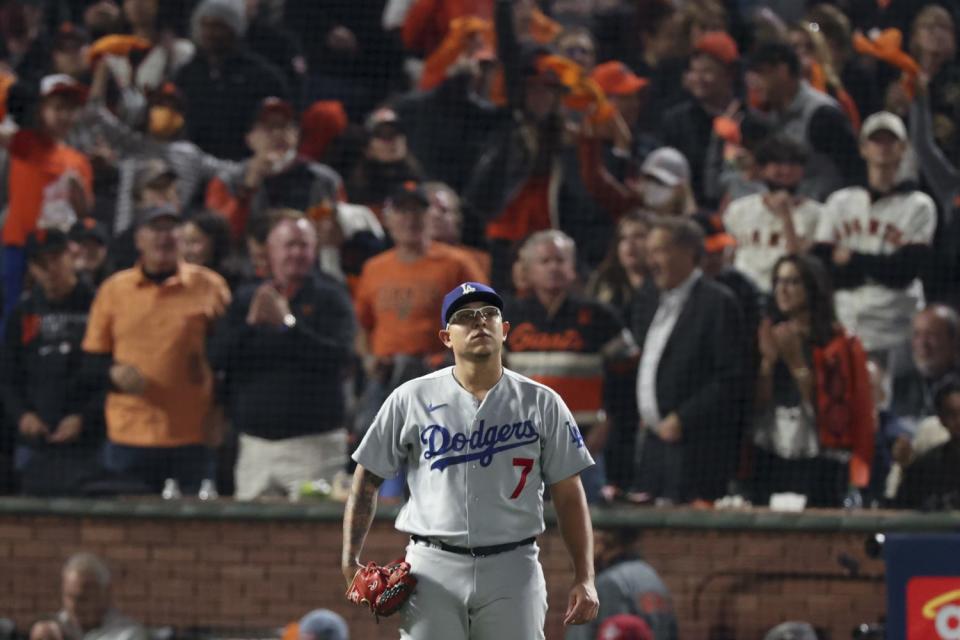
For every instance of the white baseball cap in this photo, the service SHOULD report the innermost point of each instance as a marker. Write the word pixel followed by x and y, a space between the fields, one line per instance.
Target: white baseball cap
pixel 62 84
pixel 884 121
pixel 667 165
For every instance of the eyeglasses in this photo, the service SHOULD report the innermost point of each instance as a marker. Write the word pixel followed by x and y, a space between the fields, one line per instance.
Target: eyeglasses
pixel 466 317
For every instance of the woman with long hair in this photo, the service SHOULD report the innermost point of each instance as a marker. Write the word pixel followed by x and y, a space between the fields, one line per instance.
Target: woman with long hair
pixel 814 420
pixel 623 271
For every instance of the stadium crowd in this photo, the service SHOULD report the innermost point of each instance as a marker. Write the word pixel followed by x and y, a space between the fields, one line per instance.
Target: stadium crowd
pixel 727 233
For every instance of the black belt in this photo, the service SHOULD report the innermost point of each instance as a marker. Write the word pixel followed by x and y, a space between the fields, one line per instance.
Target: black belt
pixel 476 552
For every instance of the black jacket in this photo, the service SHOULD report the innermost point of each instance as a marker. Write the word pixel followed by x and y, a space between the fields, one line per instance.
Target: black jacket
pixel 465 120
pixel 700 377
pixel 932 483
pixel 222 102
pixel 913 394
pixel 689 128
pixel 280 382
pixel 41 368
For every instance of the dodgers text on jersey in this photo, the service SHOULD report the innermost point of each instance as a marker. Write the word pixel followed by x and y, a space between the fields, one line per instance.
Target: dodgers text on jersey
pixel 482 444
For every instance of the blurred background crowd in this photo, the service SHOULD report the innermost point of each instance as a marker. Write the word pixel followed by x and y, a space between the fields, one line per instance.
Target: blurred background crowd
pixel 726 230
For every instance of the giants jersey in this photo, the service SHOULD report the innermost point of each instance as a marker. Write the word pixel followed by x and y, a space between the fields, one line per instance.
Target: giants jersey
pixel 760 237
pixel 568 350
pixel 476 470
pixel 879 315
pixel 761 240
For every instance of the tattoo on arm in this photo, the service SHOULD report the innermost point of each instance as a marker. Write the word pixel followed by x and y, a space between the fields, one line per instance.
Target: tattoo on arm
pixel 358 516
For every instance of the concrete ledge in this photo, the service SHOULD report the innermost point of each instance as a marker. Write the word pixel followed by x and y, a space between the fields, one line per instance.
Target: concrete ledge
pixel 643 517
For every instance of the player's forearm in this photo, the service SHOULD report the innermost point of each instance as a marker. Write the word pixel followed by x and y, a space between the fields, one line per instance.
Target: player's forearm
pixel 573 516
pixel 358 515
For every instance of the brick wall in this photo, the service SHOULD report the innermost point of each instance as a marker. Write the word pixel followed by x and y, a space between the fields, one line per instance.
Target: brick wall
pixel 239 573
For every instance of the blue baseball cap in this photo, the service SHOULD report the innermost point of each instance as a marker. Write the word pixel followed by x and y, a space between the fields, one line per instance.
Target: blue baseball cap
pixel 464 294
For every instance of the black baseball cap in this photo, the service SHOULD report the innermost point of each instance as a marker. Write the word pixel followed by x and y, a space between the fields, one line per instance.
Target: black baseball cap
pixel 409 195
pixel 88 229
pixel 153 173
pixel 383 117
pixel 44 242
pixel 160 212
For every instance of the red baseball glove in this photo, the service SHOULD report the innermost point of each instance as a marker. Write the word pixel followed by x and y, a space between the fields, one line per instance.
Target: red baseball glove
pixel 383 589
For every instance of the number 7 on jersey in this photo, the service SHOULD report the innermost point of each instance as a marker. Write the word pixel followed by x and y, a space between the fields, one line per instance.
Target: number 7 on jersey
pixel 527 465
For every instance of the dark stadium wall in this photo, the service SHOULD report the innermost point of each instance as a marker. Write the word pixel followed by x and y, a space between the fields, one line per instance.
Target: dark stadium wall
pixel 259 574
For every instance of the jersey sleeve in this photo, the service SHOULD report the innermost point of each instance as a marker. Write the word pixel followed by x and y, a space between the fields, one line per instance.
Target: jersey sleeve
pixel 733 218
pixel 380 451
pixel 827 223
pixel 809 221
pixel 922 223
pixel 564 452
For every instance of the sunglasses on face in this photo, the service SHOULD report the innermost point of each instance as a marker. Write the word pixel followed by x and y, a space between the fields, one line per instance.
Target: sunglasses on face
pixel 467 317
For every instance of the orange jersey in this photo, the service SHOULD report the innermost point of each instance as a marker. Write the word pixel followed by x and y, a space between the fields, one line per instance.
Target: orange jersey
pixel 398 303
pixel 37 162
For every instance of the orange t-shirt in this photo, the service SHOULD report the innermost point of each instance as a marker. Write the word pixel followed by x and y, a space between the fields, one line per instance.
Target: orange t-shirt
pixel 36 163
pixel 398 303
pixel 161 330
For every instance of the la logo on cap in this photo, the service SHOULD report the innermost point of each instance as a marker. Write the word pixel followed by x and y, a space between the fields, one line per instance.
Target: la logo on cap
pixel 467 288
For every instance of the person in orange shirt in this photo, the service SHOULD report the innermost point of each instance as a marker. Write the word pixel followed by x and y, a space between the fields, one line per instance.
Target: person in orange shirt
pixel 397 296
pixel 50 183
pixel 147 336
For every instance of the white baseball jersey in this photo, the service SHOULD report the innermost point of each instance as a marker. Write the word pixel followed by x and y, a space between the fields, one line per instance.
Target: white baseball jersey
pixel 476 470
pixel 760 237
pixel 879 315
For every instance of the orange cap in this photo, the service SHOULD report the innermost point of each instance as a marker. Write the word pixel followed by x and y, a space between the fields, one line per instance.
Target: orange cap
pixel 719 45
pixel 616 79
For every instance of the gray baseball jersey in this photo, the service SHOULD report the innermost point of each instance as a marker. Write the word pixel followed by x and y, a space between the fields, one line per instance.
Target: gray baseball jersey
pixel 476 470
